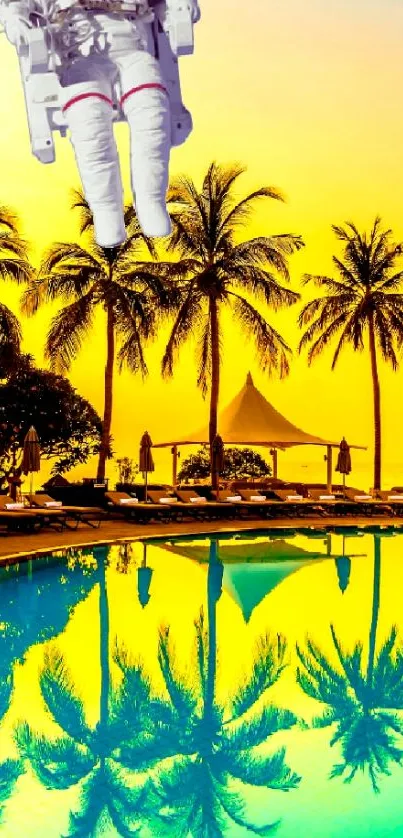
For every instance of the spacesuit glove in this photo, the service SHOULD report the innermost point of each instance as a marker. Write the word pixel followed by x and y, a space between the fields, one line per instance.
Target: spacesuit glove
pixel 15 19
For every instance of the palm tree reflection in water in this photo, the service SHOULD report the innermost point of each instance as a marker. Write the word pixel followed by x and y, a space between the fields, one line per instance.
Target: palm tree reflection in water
pixel 90 755
pixel 363 697
pixel 212 745
pixel 10 769
pixel 34 607
pixel 172 763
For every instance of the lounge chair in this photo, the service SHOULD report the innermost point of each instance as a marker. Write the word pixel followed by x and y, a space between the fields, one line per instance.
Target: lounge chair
pixel 174 504
pixel 132 509
pixel 200 505
pixel 18 522
pixel 367 503
pixel 90 515
pixel 235 502
pixel 334 504
pixel 393 499
pixel 297 504
pixel 45 517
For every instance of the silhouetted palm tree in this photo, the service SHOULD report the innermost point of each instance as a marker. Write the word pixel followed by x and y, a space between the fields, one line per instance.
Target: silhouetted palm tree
pixel 87 279
pixel 14 266
pixel 212 744
pixel 216 273
pixel 84 754
pixel 363 694
pixel 363 307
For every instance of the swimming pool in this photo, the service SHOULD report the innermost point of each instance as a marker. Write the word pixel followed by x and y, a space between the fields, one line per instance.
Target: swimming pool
pixel 213 686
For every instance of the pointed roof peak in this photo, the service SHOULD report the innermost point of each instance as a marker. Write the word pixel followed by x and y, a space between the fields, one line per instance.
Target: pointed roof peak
pixel 249 380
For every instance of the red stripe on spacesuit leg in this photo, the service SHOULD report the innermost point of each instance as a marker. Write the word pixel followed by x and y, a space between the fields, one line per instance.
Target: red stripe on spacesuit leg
pixel 143 87
pixel 86 96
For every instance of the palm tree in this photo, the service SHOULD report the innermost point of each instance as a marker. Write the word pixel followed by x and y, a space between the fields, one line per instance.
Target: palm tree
pixel 84 754
pixel 15 266
pixel 362 305
pixel 363 695
pixel 211 744
pixel 216 273
pixel 133 298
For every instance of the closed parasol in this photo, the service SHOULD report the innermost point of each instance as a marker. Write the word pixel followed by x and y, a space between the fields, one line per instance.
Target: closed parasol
pixel 146 462
pixel 344 460
pixel 217 459
pixel 31 458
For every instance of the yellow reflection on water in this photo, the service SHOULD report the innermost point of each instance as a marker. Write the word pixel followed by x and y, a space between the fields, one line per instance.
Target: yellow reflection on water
pixel 305 603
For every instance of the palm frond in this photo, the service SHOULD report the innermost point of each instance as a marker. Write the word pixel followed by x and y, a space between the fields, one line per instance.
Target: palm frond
pixel 269 771
pixel 9 220
pixel 263 251
pixel 234 808
pixel 324 328
pixel 57 689
pixel 79 202
pixel 234 216
pixel 58 763
pixel 180 693
pixel 253 731
pixel 261 284
pixel 187 321
pixel 268 664
pixel 10 337
pixel 271 349
pixel 10 771
pixel 67 331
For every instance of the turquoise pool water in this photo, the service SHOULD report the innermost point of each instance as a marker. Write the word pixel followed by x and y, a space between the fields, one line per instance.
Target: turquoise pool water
pixel 222 686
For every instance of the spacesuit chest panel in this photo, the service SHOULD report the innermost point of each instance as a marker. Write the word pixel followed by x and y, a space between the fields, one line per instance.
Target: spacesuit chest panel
pixel 81 26
pixel 137 8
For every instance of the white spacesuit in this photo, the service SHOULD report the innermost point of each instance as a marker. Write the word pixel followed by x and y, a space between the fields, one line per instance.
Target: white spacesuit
pixel 98 45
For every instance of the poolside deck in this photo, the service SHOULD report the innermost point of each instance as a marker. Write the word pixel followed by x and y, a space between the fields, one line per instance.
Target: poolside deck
pixel 19 546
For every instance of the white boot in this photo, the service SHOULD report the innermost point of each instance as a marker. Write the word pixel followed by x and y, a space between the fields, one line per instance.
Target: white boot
pixel 89 118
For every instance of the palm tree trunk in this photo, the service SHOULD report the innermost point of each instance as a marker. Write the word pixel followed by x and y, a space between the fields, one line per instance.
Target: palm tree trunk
pixel 214 579
pixel 215 383
pixel 104 647
pixel 377 406
pixel 375 607
pixel 107 420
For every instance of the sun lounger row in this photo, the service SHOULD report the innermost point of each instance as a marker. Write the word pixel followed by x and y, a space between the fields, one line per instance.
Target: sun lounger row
pixel 184 504
pixel 246 503
pixel 42 511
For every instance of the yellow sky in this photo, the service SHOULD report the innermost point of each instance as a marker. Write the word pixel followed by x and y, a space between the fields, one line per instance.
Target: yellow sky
pixel 308 96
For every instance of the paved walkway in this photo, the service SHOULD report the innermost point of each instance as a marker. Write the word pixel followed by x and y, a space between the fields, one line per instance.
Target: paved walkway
pixel 18 546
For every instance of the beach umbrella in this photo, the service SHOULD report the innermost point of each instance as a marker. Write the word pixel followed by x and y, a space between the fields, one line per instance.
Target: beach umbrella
pixel 217 456
pixel 31 457
pixel 344 460
pixel 146 462
pixel 144 576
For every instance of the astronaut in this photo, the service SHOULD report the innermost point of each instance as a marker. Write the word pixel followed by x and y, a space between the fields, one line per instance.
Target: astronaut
pixel 98 43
